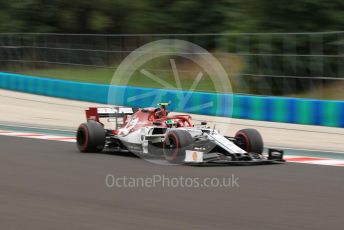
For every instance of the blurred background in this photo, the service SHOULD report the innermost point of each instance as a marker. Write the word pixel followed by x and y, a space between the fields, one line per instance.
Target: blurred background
pixel 267 47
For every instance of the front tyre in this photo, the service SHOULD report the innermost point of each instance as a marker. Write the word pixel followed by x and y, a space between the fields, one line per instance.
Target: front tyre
pixel 175 144
pixel 249 140
pixel 90 137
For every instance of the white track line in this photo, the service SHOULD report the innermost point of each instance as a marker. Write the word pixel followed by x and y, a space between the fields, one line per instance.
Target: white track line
pixel 289 158
pixel 308 150
pixel 37 136
pixel 34 127
pixel 314 160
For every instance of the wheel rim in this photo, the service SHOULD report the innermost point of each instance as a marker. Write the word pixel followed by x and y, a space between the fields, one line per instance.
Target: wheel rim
pixel 243 142
pixel 81 138
pixel 171 148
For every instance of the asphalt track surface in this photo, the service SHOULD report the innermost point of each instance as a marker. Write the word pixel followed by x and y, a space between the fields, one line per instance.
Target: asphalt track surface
pixel 50 185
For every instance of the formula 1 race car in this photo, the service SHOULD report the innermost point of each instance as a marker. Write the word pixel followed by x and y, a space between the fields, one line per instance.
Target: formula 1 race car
pixel 151 132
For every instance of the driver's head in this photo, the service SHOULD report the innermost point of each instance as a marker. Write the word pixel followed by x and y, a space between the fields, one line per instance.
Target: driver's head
pixel 169 123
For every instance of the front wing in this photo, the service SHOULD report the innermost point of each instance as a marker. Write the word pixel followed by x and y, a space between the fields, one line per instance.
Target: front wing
pixel 275 156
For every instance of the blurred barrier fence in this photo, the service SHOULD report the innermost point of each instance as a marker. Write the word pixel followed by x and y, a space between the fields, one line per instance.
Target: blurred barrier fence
pixel 273 64
pixel 267 108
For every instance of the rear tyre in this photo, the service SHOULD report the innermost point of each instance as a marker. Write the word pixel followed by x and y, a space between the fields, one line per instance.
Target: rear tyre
pixel 175 144
pixel 249 140
pixel 90 137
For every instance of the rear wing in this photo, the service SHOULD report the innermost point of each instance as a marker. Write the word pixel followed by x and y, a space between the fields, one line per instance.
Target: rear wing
pixel 94 113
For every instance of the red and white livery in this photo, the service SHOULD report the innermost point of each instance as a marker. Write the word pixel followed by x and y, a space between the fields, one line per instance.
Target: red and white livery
pixel 151 132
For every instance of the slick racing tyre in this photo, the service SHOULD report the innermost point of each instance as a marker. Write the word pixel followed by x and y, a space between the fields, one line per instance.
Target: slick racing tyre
pixel 249 140
pixel 175 144
pixel 90 137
